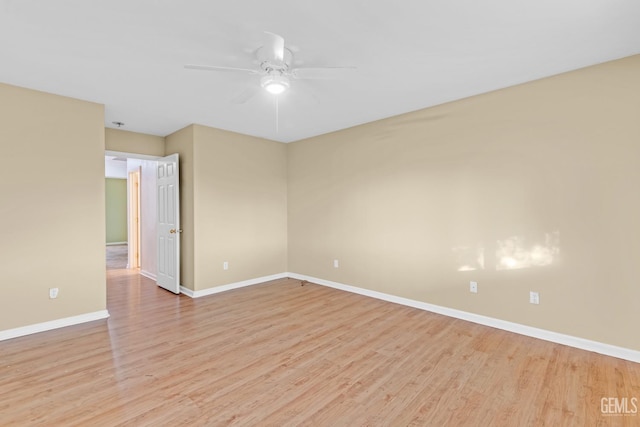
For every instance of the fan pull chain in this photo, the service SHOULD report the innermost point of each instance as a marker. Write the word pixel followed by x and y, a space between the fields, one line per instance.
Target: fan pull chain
pixel 277 116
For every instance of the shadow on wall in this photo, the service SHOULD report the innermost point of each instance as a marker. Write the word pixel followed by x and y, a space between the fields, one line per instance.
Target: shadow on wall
pixel 512 253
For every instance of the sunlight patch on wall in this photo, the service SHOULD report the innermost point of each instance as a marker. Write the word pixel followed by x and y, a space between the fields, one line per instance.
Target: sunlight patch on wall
pixel 469 258
pixel 517 252
pixel 512 253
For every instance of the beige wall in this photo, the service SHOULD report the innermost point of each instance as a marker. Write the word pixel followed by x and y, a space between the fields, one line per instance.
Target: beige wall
pixel 53 208
pixel 240 208
pixel 233 206
pixel 543 177
pixel 233 191
pixel 540 179
pixel 133 142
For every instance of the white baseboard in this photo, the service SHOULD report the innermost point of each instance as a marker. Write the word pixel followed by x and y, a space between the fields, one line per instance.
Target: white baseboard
pixel 148 275
pixel 53 324
pixel 116 243
pixel 217 289
pixel 571 341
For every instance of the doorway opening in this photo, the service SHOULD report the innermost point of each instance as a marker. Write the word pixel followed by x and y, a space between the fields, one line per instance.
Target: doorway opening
pixel 139 248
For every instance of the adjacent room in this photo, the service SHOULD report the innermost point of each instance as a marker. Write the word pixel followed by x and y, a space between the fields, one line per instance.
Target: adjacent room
pixel 329 213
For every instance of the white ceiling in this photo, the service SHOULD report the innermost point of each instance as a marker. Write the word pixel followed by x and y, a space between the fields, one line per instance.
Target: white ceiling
pixel 115 168
pixel 409 54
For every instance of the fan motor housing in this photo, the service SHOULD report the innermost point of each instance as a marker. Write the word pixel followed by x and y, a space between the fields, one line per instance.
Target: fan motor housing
pixel 267 65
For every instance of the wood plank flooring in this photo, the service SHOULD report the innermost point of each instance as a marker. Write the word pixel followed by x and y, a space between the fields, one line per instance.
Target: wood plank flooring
pixel 117 256
pixel 282 354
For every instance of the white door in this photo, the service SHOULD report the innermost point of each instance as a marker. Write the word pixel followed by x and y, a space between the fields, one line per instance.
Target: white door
pixel 168 224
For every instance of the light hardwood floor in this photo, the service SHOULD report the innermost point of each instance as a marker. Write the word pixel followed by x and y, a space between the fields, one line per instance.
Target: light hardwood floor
pixel 282 354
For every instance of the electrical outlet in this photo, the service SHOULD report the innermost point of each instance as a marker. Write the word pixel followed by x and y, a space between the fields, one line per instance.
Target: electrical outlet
pixel 534 297
pixel 336 264
pixel 53 293
pixel 225 265
pixel 473 287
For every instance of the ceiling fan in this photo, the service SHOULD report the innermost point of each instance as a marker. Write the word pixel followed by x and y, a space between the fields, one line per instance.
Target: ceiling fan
pixel 275 69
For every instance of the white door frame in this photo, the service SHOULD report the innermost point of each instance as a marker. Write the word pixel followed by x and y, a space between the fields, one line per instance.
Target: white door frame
pixel 139 157
pixel 133 218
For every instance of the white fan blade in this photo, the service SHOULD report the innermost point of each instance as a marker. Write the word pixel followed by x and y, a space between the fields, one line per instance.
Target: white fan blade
pixel 246 94
pixel 219 68
pixel 305 93
pixel 274 47
pixel 322 73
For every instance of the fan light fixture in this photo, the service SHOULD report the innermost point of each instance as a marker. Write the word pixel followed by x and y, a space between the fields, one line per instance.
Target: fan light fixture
pixel 274 61
pixel 275 84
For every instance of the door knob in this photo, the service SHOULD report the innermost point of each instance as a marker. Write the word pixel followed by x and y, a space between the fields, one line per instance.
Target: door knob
pixel 173 230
